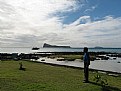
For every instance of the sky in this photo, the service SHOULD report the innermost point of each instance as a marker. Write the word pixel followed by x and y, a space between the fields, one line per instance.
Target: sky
pixel 75 23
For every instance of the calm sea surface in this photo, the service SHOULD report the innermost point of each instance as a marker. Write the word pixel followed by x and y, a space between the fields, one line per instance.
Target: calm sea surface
pixel 29 50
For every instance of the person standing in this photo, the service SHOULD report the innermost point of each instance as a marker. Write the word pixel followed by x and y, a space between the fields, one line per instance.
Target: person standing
pixel 86 59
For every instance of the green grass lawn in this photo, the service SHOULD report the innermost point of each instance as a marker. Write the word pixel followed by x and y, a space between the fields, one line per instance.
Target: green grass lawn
pixel 42 77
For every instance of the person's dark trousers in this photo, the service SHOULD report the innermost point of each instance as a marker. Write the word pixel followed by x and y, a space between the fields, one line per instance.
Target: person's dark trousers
pixel 86 72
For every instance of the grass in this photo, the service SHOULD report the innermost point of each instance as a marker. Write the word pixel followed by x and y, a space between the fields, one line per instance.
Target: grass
pixel 42 77
pixel 74 56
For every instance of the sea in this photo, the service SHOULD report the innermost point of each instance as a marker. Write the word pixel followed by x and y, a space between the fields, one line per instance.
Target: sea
pixel 29 50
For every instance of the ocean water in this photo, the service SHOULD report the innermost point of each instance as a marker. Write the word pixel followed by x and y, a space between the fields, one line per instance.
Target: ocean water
pixel 29 50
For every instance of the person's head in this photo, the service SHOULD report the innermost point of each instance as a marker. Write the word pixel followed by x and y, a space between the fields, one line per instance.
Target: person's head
pixel 85 49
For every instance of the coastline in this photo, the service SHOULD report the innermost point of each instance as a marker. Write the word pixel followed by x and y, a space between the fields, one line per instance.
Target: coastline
pixel 97 65
pixel 111 67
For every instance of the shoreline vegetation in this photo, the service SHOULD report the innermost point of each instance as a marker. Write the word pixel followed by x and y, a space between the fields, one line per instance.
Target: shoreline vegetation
pixel 43 77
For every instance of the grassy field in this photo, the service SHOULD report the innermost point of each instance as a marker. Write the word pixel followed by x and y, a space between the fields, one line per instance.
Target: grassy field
pixel 42 77
pixel 74 56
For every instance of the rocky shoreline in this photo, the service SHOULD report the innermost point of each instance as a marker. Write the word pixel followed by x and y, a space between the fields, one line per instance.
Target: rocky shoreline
pixel 37 55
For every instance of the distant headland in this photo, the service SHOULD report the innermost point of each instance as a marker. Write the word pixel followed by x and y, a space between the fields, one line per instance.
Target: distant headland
pixel 54 46
pixel 98 47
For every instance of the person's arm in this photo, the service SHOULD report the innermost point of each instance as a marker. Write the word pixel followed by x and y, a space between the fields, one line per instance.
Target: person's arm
pixel 88 59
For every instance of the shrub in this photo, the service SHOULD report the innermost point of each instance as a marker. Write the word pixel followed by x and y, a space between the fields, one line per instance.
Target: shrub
pixel 102 81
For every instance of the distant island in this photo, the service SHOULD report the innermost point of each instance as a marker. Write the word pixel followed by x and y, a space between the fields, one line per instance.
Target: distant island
pixel 54 46
pixel 98 47
pixel 35 48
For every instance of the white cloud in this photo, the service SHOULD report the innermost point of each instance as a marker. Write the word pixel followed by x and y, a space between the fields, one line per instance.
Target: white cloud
pixel 81 20
pixel 33 22
pixel 92 8
pixel 24 18
pixel 103 33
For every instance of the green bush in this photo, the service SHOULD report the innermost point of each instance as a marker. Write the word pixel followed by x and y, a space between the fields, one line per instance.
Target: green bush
pixel 99 79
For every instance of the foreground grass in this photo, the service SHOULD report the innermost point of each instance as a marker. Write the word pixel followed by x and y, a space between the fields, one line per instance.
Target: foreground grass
pixel 41 77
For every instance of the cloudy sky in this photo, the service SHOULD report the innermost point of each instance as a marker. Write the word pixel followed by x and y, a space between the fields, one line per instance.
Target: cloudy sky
pixel 77 23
